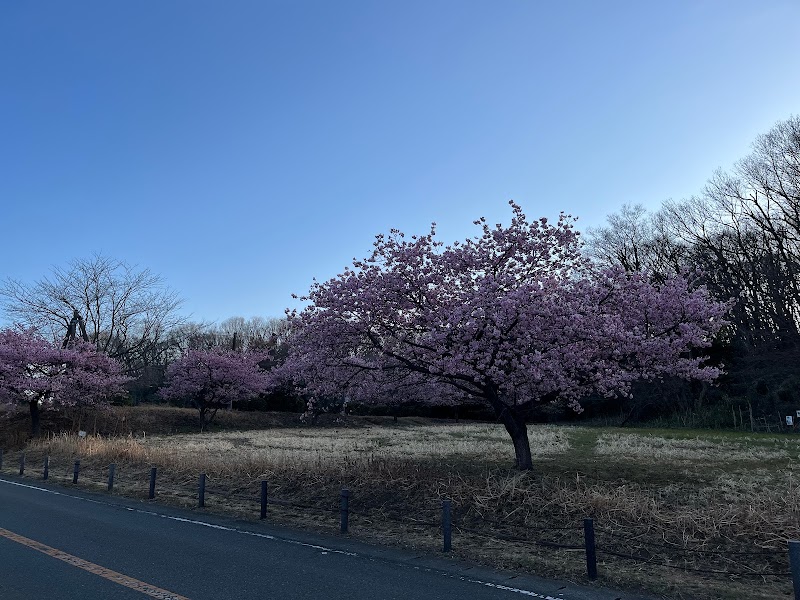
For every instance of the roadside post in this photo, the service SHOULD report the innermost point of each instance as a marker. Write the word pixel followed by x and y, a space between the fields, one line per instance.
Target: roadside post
pixel 152 492
pixel 447 525
pixel 591 550
pixel 794 566
pixel 344 509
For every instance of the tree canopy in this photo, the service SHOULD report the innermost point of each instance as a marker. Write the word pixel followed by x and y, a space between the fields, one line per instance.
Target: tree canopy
pixel 36 372
pixel 511 317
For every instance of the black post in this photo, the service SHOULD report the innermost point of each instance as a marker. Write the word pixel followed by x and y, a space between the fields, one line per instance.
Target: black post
pixel 111 469
pixel 76 468
pixel 46 472
pixel 152 493
pixel 201 491
pixel 591 551
pixel 263 500
pixel 447 525
pixel 344 508
pixel 1 459
pixel 22 464
pixel 794 567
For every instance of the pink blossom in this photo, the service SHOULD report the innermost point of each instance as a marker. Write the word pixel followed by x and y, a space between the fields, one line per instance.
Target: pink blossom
pixel 214 379
pixel 34 371
pixel 512 317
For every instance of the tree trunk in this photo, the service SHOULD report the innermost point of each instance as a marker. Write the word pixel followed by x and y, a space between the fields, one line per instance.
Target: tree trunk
pixel 35 423
pixel 202 418
pixel 518 430
pixel 515 425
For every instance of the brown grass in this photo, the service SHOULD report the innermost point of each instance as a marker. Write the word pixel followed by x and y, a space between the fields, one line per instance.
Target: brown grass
pixel 673 500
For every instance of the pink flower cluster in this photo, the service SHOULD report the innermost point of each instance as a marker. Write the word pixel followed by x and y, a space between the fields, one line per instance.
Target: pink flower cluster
pixel 513 316
pixel 34 370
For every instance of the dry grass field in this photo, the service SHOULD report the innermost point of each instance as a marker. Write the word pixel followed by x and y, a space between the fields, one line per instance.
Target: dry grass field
pixel 689 506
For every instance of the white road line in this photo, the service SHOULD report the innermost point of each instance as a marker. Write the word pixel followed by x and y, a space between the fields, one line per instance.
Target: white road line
pixel 182 519
pixel 498 586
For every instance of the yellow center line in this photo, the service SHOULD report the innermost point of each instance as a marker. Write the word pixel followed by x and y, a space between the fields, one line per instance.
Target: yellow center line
pixel 129 582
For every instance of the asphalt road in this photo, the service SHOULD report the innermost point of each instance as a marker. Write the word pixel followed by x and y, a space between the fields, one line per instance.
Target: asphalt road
pixel 59 543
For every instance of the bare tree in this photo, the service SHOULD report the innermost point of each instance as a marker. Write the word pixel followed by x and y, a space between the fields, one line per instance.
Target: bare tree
pixel 259 334
pixel 639 242
pixel 744 231
pixel 123 310
pixel 255 333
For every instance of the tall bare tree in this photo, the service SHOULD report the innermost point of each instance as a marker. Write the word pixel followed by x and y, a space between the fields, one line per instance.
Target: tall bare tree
pixel 742 231
pixel 123 310
pixel 638 241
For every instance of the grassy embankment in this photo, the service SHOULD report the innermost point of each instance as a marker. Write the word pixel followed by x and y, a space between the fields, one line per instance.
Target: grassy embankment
pixel 661 495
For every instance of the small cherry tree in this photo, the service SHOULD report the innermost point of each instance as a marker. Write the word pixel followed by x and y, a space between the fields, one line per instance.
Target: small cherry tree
pixel 44 376
pixel 512 317
pixel 214 379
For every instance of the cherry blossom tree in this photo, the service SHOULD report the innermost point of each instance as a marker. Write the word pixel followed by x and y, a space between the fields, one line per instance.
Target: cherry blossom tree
pixel 511 317
pixel 214 379
pixel 36 372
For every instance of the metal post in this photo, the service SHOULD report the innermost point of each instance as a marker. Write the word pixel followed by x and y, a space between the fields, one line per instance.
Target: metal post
pixel 111 470
pixel 591 551
pixel 1 459
pixel 794 567
pixel 46 471
pixel 22 464
pixel 76 468
pixel 263 500
pixel 447 525
pixel 152 493
pixel 344 508
pixel 201 491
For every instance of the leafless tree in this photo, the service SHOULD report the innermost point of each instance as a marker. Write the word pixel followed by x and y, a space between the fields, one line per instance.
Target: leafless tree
pixel 745 231
pixel 236 333
pixel 255 333
pixel 742 231
pixel 638 241
pixel 125 311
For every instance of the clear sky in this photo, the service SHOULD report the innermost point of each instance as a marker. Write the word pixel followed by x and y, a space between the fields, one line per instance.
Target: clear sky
pixel 241 148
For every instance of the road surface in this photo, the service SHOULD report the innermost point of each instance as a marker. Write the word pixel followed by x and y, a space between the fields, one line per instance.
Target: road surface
pixel 56 542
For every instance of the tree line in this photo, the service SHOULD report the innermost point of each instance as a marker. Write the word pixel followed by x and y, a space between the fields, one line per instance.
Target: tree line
pixel 741 234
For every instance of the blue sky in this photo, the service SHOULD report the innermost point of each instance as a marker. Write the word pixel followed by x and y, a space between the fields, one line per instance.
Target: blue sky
pixel 242 148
